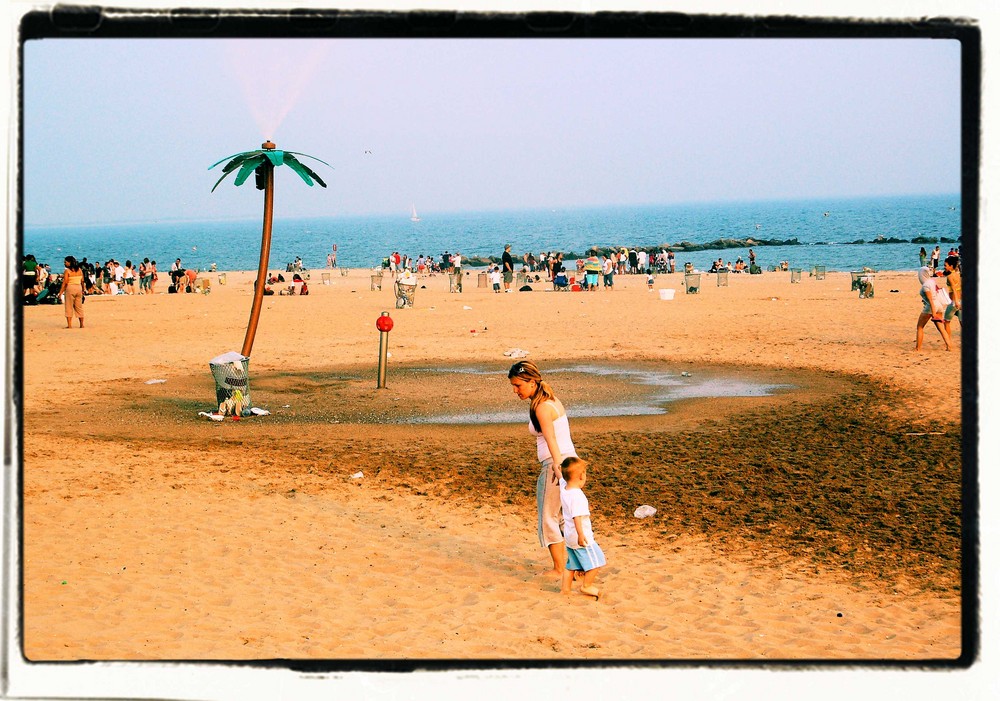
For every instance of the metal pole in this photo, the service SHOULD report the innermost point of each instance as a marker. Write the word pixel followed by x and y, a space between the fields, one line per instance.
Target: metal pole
pixel 265 254
pixel 383 347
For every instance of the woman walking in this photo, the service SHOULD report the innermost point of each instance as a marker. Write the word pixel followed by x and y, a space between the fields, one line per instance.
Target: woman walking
pixel 934 307
pixel 72 291
pixel 550 426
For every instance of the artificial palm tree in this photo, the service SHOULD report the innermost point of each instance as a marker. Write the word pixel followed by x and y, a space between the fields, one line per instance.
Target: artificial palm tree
pixel 262 163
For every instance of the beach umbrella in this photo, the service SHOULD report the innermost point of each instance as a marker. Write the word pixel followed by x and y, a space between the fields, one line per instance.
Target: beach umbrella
pixel 262 163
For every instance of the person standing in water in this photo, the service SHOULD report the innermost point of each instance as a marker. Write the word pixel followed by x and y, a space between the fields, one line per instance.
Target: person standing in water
pixel 548 423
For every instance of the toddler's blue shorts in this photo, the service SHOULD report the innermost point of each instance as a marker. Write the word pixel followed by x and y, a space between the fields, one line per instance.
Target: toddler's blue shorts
pixel 585 559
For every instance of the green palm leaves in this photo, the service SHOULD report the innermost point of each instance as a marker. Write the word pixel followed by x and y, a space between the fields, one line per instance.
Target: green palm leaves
pixel 248 162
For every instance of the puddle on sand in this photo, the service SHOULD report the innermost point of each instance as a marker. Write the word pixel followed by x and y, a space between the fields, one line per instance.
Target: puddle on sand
pixel 655 389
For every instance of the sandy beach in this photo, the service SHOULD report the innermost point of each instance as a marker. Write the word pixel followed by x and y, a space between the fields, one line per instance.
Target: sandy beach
pixel 821 522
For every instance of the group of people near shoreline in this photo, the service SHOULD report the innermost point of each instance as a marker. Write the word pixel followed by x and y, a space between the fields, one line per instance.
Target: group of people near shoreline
pixel 81 278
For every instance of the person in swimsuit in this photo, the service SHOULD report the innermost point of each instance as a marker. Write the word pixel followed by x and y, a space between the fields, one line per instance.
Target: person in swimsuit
pixel 548 423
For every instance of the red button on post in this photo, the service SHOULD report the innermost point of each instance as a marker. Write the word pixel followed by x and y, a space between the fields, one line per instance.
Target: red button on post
pixel 384 323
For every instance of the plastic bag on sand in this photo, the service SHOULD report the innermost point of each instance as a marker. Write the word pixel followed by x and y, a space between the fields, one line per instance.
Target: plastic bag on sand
pixel 516 353
pixel 357 475
pixel 213 417
pixel 644 511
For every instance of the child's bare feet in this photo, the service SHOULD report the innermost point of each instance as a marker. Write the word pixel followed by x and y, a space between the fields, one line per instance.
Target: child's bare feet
pixel 591 591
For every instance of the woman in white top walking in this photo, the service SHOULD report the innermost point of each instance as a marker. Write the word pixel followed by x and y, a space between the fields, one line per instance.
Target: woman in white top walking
pixel 548 423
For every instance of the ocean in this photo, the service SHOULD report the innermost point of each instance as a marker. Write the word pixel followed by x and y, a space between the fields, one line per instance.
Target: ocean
pixel 826 230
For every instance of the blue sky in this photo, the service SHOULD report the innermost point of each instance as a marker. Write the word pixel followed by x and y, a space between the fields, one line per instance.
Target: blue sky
pixel 124 130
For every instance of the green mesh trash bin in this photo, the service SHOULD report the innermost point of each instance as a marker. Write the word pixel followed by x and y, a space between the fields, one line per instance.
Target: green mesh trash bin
pixel 232 383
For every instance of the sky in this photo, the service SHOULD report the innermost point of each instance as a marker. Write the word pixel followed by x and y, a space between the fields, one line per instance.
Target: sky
pixel 121 130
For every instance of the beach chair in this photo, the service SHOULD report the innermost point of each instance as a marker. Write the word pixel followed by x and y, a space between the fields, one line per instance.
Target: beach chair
pixel 326 278
pixel 692 283
pixel 722 278
pixel 796 274
pixel 560 283
pixel 454 282
pixel 377 281
pixel 404 294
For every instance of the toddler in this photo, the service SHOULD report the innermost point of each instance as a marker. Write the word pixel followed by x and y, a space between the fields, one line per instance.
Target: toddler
pixel 583 552
pixel 495 278
pixel 649 281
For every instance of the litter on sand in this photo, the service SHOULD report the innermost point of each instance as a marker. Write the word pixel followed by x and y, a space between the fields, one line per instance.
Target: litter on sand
pixel 357 475
pixel 257 411
pixel 155 382
pixel 644 511
pixel 516 353
pixel 213 417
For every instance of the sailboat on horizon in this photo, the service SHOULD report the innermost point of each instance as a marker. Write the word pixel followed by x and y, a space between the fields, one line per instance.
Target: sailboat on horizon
pixel 413 213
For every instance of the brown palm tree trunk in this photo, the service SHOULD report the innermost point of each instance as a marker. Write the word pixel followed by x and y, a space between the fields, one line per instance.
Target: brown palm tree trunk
pixel 265 254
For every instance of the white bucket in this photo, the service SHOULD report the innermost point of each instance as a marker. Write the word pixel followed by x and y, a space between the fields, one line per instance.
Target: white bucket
pixel 666 294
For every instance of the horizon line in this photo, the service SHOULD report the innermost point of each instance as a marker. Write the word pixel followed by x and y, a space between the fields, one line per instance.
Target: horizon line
pixel 491 210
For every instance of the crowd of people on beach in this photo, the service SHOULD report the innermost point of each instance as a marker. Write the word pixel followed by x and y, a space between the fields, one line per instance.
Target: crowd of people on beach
pixel 41 285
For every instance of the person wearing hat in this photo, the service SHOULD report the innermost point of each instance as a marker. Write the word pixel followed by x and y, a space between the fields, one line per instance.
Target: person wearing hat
pixel 508 268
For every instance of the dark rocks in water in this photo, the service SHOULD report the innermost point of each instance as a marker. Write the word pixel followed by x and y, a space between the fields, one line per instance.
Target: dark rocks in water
pixel 924 239
pixel 947 240
pixel 891 239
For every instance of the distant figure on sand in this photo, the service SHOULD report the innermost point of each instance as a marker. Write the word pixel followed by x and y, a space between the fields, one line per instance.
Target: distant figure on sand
pixel 923 256
pixel 550 426
pixel 934 307
pixel 583 554
pixel 953 277
pixel 592 266
pixel 72 291
pixel 508 268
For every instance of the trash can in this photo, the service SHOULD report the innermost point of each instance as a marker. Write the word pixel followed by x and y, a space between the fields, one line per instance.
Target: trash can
pixel 820 272
pixel 232 383
pixel 483 280
pixel 866 286
pixel 692 283
pixel 377 282
pixel 722 278
pixel 796 274
pixel 455 282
